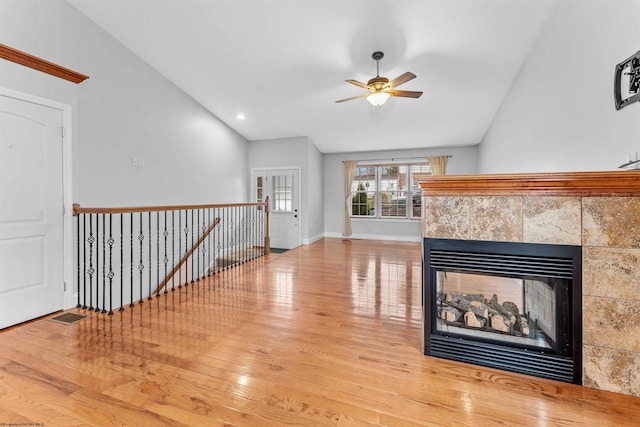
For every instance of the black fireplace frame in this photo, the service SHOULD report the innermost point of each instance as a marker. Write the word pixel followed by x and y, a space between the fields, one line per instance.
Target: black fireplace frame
pixel 505 259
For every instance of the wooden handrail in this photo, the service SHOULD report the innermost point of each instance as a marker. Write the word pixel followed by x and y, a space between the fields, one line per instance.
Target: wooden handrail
pixel 77 209
pixel 31 61
pixel 186 257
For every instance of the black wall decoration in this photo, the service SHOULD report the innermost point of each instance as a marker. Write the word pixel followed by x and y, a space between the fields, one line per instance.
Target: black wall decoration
pixel 629 67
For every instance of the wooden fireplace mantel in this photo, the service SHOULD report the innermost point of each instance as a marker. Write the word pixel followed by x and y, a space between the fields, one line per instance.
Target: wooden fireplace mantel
pixel 605 183
pixel 31 61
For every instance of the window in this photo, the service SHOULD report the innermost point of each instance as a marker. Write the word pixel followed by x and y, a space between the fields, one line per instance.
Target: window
pixel 387 191
pixel 259 189
pixel 282 186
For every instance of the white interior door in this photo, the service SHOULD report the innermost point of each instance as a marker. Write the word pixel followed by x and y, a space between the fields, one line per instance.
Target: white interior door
pixel 31 211
pixel 283 188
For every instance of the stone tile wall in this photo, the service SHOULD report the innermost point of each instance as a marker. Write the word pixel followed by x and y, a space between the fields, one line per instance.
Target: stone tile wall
pixel 611 293
pixel 608 228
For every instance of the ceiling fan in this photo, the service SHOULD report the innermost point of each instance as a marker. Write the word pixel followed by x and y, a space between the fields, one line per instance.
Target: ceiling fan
pixel 380 88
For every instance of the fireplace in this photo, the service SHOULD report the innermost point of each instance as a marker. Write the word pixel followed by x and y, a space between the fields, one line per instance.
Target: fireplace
pixel 511 306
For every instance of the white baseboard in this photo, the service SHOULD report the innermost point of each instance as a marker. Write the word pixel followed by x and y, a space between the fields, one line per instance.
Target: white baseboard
pixel 375 237
pixel 313 239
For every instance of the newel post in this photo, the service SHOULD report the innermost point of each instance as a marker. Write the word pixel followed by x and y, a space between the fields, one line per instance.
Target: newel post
pixel 267 242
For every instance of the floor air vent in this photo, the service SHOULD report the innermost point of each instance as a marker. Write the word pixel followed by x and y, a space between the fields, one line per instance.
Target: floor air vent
pixel 68 318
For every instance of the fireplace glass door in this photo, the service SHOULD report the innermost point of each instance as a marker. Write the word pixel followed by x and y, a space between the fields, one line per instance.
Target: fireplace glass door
pixel 520 311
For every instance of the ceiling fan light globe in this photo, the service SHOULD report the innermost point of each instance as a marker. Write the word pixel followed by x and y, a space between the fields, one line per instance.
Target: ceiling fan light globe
pixel 378 98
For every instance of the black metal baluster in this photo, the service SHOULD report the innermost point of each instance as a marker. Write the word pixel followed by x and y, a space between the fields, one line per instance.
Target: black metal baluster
pixel 198 255
pixel 165 233
pixel 236 214
pixel 84 261
pixel 150 297
pixel 249 231
pixel 215 256
pixel 205 227
pixel 104 277
pixel 224 238
pixel 179 248
pixel 223 224
pixel 230 234
pixel 78 305
pixel 97 263
pixel 158 251
pixel 211 241
pixel 193 226
pixel 245 232
pixel 186 248
pixel 216 240
pixel 121 263
pixel 249 228
pixel 173 250
pixel 202 274
pixel 131 260
pixel 91 239
pixel 111 274
pixel 141 264
pixel 253 231
pixel 227 232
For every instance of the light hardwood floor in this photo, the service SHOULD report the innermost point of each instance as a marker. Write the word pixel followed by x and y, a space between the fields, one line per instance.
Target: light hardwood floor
pixel 326 334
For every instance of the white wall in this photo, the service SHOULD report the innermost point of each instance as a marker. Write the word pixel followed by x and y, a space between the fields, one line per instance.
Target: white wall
pixel 298 152
pixel 315 190
pixel 560 114
pixel 124 109
pixel 463 161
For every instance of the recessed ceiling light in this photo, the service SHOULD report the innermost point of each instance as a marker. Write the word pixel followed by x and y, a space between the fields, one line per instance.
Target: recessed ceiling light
pixel 240 116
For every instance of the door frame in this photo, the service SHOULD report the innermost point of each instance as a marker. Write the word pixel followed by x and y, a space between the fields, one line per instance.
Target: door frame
pixel 70 295
pixel 297 191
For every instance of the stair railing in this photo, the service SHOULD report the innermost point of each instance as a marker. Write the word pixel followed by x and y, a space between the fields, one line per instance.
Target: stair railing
pixel 133 253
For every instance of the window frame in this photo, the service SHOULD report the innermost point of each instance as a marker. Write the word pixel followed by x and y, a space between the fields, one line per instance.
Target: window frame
pixel 375 197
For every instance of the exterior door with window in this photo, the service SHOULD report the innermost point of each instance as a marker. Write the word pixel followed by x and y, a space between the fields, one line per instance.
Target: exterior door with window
pixel 283 188
pixel 31 217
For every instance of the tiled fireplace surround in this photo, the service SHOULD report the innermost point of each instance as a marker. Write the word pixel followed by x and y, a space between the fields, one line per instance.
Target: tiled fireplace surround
pixel 598 210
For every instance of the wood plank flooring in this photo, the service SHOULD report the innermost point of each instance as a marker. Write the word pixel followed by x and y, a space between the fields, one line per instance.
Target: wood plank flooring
pixel 323 335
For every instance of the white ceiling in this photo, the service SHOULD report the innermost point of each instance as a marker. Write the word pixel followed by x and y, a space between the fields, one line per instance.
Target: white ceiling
pixel 283 62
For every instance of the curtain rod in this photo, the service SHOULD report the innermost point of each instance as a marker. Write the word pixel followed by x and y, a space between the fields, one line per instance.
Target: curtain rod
pixel 396 158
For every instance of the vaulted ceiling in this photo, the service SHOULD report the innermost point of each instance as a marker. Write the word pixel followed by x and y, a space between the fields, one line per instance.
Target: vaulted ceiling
pixel 283 63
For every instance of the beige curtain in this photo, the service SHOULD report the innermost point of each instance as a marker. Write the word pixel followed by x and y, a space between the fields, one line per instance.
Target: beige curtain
pixel 438 165
pixel 349 173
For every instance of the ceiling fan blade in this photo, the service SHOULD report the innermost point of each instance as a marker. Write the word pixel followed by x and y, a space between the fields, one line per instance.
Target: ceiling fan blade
pixel 357 83
pixel 401 79
pixel 405 93
pixel 364 95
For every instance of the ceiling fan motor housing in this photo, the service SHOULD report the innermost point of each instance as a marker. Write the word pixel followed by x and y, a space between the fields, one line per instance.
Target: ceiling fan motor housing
pixel 377 83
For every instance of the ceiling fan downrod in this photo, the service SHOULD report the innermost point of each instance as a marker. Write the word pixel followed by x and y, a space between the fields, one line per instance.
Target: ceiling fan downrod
pixel 377 83
pixel 377 56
